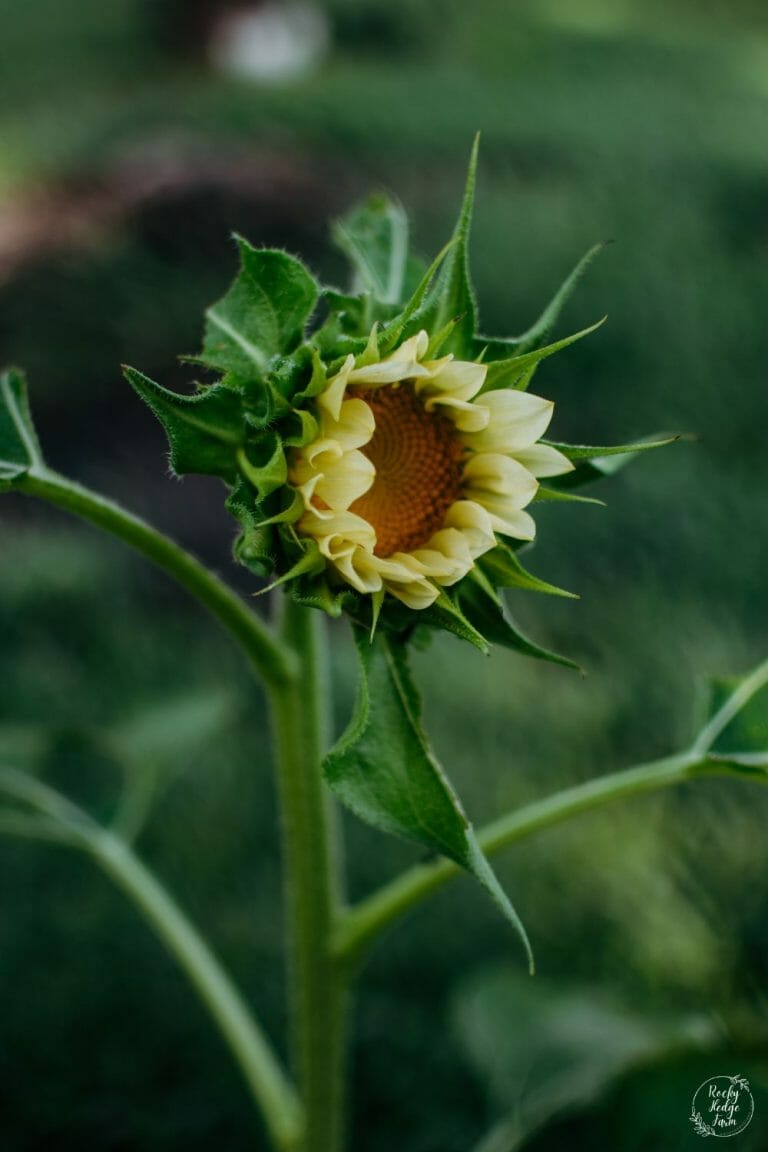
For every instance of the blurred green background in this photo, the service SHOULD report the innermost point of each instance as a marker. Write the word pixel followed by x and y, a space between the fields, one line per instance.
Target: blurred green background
pixel 127 157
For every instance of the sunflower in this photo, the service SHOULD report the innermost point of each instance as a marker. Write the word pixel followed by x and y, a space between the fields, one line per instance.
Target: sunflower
pixel 415 469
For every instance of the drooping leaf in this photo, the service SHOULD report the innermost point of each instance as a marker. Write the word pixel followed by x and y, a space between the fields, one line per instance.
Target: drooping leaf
pixel 453 297
pixel 263 314
pixel 516 371
pixel 19 447
pixel 487 614
pixel 204 431
pixel 374 236
pixel 383 770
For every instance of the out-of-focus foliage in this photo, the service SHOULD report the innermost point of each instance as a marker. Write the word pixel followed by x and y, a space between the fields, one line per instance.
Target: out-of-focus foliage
pixel 638 122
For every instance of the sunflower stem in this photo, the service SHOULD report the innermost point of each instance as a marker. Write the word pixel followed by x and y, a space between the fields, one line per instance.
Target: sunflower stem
pixel 318 987
pixel 270 659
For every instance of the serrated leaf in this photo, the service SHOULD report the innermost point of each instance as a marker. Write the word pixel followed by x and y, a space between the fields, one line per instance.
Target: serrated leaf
pixel 453 297
pixel 383 770
pixel 516 371
pixel 374 236
pixel 263 314
pixel 504 570
pixel 205 431
pixel 489 616
pixel 19 447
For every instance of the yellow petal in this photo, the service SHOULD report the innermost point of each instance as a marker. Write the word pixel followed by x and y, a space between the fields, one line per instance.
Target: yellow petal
pixel 517 420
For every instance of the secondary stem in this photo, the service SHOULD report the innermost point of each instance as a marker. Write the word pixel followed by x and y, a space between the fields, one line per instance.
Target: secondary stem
pixel 318 991
pixel 267 655
pixel 365 922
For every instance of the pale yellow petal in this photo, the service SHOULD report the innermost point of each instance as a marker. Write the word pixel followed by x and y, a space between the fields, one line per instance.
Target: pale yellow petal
pixel 542 460
pixel 467 417
pixel 330 400
pixel 461 379
pixel 474 523
pixel 517 420
pixel 417 594
pixel 493 473
pixel 345 481
pixel 354 427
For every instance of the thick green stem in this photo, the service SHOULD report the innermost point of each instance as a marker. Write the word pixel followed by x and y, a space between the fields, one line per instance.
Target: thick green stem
pixel 268 656
pixel 318 991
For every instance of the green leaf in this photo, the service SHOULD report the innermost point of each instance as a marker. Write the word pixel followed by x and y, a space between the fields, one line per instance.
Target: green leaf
pixel 204 431
pixel 375 238
pixel 263 314
pixel 384 771
pixel 516 372
pixel 488 615
pixel 19 446
pixel 453 297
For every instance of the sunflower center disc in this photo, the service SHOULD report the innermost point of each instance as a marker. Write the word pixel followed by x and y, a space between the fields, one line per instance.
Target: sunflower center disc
pixel 417 457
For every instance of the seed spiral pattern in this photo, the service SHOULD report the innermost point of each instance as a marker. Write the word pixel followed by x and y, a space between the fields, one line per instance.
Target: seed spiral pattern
pixel 417 458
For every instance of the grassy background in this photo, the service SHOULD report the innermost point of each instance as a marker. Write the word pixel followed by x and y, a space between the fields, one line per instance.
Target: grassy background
pixel 641 123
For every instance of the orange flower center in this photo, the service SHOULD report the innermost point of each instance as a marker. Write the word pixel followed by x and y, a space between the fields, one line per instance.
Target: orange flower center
pixel 417 458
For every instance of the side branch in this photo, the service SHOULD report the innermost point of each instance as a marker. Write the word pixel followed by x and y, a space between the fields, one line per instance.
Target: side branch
pixel 271 659
pixel 364 923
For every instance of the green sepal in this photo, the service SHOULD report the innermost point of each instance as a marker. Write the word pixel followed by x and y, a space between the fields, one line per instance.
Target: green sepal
pixel 595 463
pixel 516 371
pixel 204 431
pixel 504 570
pixel 255 547
pixel 317 381
pixel 20 450
pixel 557 495
pixel 453 297
pixel 263 463
pixel 383 770
pixel 307 429
pixel 311 563
pixel 487 614
pixel 409 320
pixel 374 236
pixel 315 592
pixel 287 378
pixel 444 615
pixel 540 329
pixel 263 314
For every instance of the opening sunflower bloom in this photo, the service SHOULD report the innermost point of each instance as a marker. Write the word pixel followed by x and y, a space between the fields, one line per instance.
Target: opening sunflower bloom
pixel 415 469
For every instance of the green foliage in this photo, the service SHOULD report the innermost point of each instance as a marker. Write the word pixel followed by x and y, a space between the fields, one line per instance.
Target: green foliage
pixel 204 431
pixel 19 446
pixel 384 771
pixel 375 238
pixel 577 1039
pixel 263 314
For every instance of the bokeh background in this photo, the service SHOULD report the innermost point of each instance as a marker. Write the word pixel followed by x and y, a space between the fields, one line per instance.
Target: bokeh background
pixel 135 137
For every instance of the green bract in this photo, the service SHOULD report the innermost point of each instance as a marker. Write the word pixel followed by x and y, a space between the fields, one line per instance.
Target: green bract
pixel 275 340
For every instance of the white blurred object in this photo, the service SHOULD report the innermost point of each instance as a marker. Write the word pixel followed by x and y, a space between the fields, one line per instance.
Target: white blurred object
pixel 271 42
